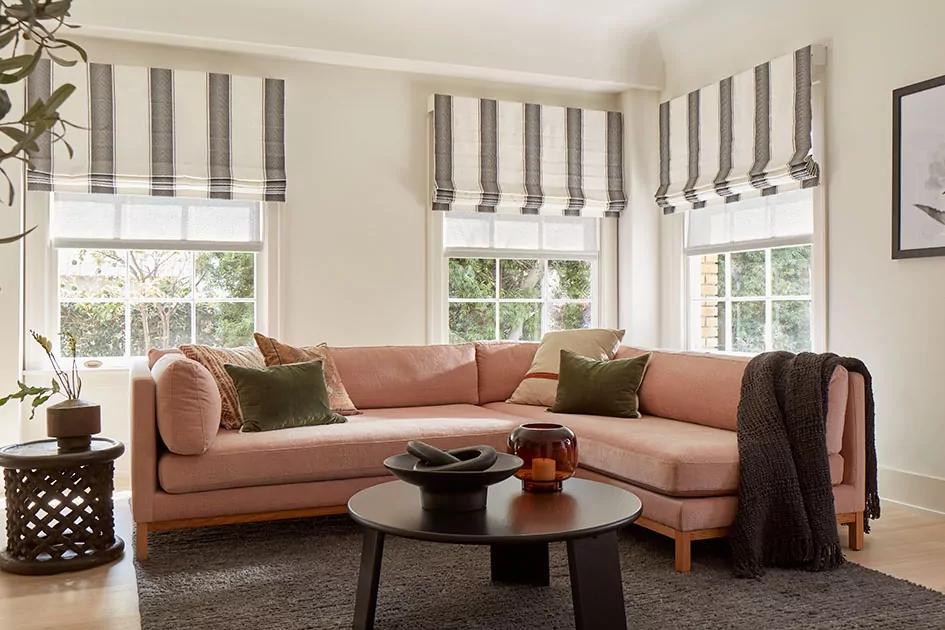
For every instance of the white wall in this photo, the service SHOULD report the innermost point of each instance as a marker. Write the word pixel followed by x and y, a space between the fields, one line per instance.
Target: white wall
pixel 886 312
pixel 638 272
pixel 10 280
pixel 526 41
pixel 11 254
pixel 353 227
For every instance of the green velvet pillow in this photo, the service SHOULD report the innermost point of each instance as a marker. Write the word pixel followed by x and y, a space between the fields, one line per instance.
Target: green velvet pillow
pixel 600 388
pixel 282 396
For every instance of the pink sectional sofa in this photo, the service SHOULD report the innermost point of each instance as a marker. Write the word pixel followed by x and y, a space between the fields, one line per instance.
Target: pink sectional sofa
pixel 681 458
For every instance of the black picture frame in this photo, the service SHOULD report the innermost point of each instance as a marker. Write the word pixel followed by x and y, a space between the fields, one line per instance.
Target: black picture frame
pixel 898 253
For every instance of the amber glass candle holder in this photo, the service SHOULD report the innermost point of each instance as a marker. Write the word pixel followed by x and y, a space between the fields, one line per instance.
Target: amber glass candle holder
pixel 549 454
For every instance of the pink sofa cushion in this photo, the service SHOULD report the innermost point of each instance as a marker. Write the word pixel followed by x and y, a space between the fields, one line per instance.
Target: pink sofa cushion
pixel 502 366
pixel 409 376
pixel 188 404
pixel 676 458
pixel 705 389
pixel 698 388
pixel 337 451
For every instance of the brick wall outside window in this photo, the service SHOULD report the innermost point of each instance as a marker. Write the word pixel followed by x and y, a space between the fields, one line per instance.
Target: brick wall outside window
pixel 712 336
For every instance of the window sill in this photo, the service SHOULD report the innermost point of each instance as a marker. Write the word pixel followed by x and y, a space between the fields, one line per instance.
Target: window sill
pixel 723 353
pixel 83 371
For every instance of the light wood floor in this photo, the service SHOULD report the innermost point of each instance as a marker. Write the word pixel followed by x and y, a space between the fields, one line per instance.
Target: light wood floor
pixel 905 543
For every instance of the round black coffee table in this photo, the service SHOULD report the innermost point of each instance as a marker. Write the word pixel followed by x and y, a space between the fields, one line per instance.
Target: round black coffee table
pixel 518 526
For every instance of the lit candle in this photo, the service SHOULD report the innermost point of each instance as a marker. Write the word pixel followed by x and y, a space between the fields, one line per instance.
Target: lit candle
pixel 543 469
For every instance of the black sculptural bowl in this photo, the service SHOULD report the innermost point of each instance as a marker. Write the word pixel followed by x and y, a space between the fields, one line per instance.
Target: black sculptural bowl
pixel 452 490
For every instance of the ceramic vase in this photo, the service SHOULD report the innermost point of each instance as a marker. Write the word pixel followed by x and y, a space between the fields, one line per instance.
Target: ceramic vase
pixel 73 423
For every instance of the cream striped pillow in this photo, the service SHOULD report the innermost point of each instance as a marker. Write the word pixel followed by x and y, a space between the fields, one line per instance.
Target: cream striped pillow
pixel 540 384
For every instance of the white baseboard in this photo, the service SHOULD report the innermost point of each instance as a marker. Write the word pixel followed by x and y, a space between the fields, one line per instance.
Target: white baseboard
pixel 911 489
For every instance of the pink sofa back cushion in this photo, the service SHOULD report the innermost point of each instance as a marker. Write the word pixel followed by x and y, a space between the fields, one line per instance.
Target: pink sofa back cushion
pixel 696 388
pixel 502 366
pixel 705 389
pixel 409 376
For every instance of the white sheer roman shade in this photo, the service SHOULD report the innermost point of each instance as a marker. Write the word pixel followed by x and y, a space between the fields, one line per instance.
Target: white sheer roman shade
pixel 756 223
pixel 520 236
pixel 164 223
pixel 162 133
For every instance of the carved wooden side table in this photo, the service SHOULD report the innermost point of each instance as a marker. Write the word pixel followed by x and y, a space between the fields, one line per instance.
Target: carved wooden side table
pixel 60 515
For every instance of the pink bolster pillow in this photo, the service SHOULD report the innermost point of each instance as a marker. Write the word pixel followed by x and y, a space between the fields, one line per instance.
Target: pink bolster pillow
pixel 188 404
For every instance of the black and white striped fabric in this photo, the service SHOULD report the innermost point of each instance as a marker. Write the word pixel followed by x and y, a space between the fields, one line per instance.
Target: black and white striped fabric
pixel 159 132
pixel 495 156
pixel 747 135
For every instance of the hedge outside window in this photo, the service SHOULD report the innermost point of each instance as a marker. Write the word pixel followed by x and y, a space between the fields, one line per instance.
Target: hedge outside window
pixel 120 303
pixel 518 299
pixel 751 301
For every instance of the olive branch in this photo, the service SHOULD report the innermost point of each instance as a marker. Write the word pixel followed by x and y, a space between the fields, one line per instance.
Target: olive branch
pixel 33 26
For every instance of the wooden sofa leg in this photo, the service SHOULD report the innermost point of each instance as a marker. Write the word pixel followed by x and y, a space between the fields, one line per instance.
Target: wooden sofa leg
pixel 855 532
pixel 683 551
pixel 141 542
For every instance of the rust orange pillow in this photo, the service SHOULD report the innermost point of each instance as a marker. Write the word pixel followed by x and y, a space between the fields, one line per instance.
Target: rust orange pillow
pixel 277 353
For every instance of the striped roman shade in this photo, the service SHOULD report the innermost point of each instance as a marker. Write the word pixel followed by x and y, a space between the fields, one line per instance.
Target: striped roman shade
pixel 495 156
pixel 166 133
pixel 747 135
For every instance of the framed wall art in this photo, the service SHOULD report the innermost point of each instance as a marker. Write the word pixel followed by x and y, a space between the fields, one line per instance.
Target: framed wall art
pixel 918 228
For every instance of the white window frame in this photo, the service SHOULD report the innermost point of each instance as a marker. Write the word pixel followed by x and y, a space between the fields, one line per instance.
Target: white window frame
pixel 817 296
pixel 603 276
pixel 41 303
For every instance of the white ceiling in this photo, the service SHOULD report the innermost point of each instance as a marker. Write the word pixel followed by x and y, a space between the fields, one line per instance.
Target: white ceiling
pixel 592 44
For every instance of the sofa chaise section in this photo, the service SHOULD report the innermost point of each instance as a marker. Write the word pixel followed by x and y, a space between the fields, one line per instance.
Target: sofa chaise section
pixel 681 457
pixel 678 459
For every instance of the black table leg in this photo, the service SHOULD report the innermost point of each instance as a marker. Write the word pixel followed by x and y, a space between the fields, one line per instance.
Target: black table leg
pixel 365 605
pixel 596 584
pixel 524 563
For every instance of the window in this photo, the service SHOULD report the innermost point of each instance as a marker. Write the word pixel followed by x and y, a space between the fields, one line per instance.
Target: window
pixel 750 275
pixel 120 303
pixel 134 273
pixel 516 277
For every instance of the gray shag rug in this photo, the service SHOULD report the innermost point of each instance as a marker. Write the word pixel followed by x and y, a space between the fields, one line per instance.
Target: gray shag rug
pixel 294 575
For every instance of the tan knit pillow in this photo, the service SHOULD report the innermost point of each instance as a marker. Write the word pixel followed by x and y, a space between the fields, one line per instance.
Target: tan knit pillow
pixel 277 353
pixel 540 384
pixel 214 359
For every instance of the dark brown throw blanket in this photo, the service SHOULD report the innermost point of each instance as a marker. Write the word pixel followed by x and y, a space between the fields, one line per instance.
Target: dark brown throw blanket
pixel 786 512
